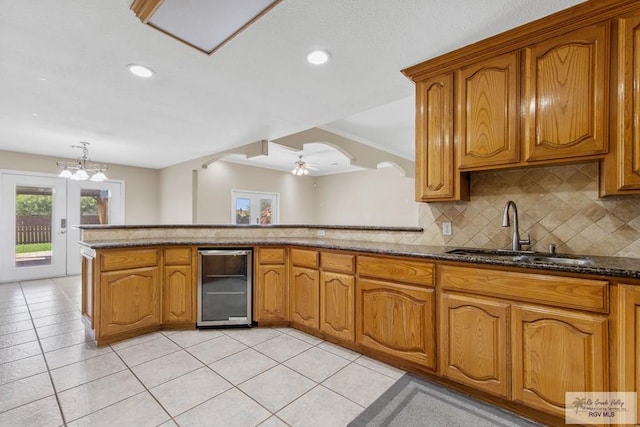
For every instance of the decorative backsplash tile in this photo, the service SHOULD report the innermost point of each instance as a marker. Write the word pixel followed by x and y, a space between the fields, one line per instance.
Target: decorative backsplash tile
pixel 558 205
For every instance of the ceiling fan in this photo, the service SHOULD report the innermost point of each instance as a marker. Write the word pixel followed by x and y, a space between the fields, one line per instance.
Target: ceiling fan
pixel 301 167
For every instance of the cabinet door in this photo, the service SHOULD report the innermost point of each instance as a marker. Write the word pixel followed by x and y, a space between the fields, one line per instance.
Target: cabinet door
pixel 178 294
pixel 487 115
pixel 436 174
pixel 337 305
pixel 129 300
pixel 304 296
pixel 271 293
pixel 474 341
pixel 557 351
pixel 396 319
pixel 620 173
pixel 565 95
pixel 625 318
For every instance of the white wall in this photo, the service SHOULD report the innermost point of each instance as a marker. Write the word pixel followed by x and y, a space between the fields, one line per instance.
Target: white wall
pixel 176 193
pixel 369 197
pixel 141 184
pixel 297 194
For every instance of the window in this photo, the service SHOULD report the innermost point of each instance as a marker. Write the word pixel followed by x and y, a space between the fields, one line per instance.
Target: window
pixel 254 208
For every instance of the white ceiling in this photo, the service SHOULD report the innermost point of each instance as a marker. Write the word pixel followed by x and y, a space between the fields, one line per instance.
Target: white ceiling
pixel 63 77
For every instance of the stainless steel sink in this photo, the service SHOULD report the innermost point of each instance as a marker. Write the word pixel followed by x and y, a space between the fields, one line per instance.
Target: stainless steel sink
pixel 523 256
pixel 549 259
pixel 490 253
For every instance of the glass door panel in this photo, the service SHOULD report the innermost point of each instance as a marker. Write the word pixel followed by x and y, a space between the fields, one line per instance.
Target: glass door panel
pixel 243 211
pixel 91 203
pixel 34 223
pixel 254 208
pixel 33 227
pixel 266 210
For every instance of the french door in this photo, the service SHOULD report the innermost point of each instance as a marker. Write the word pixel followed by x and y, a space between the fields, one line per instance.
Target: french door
pixel 33 216
pixel 37 215
pixel 250 207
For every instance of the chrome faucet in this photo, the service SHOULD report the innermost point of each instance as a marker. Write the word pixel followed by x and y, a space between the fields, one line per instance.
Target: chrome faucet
pixel 516 243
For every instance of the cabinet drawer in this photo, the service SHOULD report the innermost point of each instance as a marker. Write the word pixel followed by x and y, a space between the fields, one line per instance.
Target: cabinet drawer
pixel 131 258
pixel 342 263
pixel 397 270
pixel 177 256
pixel 304 258
pixel 271 255
pixel 560 291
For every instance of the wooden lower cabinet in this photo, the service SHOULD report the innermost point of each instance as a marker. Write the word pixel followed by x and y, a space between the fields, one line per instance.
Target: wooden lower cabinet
pixel 625 326
pixel 178 286
pixel 271 285
pixel 337 305
pixel 474 342
pixel 557 351
pixel 271 293
pixel 396 319
pixel 178 294
pixel 304 294
pixel 129 300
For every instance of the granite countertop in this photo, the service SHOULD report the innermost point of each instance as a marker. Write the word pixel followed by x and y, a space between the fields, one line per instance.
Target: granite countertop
pixel 599 265
pixel 258 226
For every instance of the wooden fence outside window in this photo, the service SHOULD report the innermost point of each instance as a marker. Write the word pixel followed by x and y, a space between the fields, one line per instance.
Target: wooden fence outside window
pixel 37 228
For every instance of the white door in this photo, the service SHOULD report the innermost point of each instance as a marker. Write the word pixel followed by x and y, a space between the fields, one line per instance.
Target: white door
pixel 32 227
pixel 90 203
pixel 250 207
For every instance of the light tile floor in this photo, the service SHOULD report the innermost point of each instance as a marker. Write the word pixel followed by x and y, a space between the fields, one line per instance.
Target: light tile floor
pixel 51 375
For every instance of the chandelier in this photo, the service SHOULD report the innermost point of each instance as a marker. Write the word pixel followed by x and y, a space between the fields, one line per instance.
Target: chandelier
pixel 300 168
pixel 81 169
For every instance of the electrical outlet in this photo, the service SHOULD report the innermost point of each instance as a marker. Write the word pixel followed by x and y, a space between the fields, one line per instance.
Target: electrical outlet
pixel 446 229
pixel 320 233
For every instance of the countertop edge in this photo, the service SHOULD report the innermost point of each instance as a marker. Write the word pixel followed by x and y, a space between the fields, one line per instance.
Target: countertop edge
pixel 252 226
pixel 603 266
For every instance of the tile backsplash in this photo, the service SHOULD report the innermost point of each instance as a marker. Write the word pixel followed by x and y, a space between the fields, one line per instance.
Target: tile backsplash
pixel 557 204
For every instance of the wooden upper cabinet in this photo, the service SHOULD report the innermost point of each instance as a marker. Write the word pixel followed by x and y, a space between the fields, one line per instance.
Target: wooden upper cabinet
pixel 557 351
pixel 620 170
pixel 565 95
pixel 487 113
pixel 436 175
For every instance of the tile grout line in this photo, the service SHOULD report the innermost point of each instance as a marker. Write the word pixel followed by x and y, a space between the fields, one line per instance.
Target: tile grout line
pixel 291 333
pixel 46 362
pixel 143 385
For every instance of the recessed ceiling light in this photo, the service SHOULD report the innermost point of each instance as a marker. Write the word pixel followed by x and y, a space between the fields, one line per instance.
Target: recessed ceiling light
pixel 318 57
pixel 140 71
